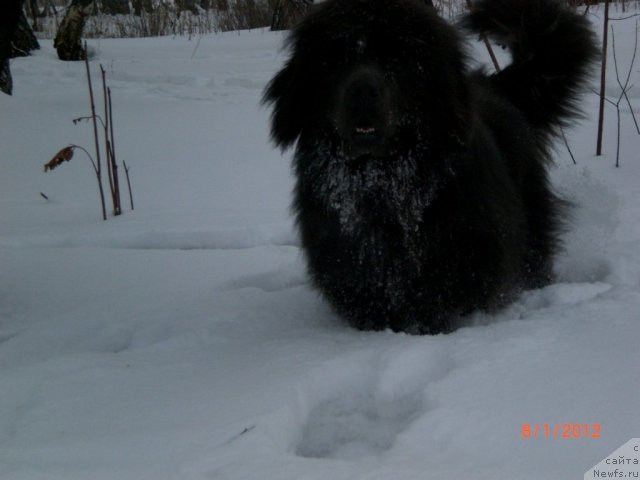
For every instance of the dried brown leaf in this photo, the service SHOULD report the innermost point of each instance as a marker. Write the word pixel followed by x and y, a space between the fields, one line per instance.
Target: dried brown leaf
pixel 59 158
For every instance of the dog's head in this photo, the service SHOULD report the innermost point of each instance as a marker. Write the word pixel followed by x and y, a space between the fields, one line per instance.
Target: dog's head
pixel 369 72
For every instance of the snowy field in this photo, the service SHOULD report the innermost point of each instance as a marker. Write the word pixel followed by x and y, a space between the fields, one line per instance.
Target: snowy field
pixel 182 340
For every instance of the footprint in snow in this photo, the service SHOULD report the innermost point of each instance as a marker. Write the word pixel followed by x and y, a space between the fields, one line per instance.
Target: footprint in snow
pixel 357 406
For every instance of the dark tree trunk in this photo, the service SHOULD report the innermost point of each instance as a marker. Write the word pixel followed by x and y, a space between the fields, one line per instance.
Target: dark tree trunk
pixel 6 82
pixel 24 41
pixel 68 38
pixel 286 13
pixel 142 6
pixel 221 5
pixel 34 11
pixel 49 9
pixel 183 5
pixel 115 7
pixel 9 17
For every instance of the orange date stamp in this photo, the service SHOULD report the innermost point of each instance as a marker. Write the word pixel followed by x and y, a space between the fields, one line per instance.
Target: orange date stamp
pixel 561 430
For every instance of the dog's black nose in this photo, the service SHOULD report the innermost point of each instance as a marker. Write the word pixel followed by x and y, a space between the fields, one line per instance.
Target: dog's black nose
pixel 365 87
pixel 364 98
pixel 363 111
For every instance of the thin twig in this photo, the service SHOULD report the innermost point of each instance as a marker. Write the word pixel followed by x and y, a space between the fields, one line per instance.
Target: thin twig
pixel 487 44
pixel 116 183
pixel 618 140
pixel 93 163
pixel 88 118
pixel 633 115
pixel 626 90
pixel 624 18
pixel 623 87
pixel 595 92
pixel 106 139
pixel 566 143
pixel 126 171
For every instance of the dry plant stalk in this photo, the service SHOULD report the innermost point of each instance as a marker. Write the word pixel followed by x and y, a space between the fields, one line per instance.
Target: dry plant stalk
pixel 98 163
pixel 112 166
pixel 66 154
pixel 126 171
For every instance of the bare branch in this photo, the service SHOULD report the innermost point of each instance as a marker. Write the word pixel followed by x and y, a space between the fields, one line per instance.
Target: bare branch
pixel 487 44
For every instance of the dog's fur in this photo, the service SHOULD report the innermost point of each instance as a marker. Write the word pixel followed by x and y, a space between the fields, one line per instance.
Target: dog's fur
pixel 422 191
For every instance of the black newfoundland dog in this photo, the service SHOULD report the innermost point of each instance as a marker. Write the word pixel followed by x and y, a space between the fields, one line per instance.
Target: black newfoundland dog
pixel 422 191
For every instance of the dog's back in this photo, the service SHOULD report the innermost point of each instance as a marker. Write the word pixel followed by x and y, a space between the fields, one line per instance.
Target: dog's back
pixel 552 49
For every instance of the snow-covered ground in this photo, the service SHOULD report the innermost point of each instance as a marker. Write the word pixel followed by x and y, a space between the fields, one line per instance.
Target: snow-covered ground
pixel 182 340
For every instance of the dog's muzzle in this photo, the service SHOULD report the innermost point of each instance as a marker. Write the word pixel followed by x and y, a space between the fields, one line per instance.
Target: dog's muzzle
pixel 363 113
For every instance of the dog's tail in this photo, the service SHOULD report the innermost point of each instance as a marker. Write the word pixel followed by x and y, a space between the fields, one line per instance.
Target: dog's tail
pixel 552 50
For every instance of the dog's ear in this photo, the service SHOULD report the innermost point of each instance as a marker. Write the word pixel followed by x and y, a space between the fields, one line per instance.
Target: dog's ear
pixel 285 93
